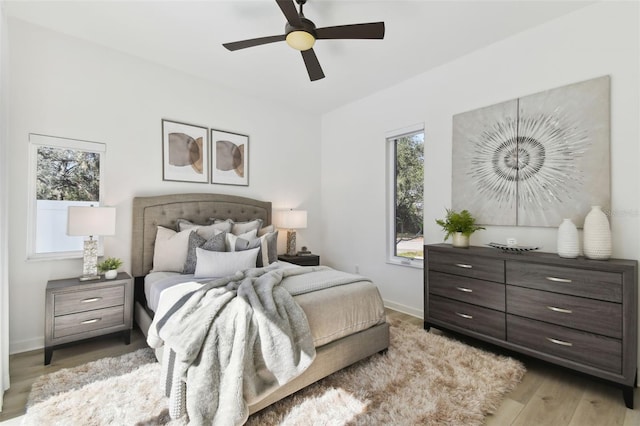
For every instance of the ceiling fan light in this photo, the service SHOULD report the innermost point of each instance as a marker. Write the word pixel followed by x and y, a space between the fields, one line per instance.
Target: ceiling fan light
pixel 300 40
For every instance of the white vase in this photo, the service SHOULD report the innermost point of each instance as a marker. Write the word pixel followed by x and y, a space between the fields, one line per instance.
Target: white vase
pixel 460 240
pixel 597 235
pixel 568 245
pixel 111 274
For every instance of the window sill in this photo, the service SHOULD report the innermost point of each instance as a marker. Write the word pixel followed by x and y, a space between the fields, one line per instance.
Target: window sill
pixel 416 264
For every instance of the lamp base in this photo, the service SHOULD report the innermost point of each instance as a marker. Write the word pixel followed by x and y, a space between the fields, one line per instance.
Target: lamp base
pixel 90 259
pixel 89 277
pixel 291 242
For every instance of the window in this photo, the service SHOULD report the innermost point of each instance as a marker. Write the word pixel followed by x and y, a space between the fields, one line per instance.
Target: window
pixel 405 177
pixel 63 173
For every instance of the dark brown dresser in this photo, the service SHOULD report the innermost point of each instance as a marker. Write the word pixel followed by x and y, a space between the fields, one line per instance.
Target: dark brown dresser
pixel 578 313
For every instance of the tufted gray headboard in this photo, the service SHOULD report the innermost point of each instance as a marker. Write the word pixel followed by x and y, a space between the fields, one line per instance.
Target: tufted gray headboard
pixel 164 210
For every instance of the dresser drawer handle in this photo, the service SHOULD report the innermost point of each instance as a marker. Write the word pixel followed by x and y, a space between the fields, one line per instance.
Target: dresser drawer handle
pixel 561 310
pixel 90 321
pixel 465 316
pixel 558 280
pixel 91 299
pixel 464 289
pixel 464 265
pixel 559 342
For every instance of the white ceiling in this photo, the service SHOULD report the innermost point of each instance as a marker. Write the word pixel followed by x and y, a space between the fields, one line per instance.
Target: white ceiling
pixel 188 36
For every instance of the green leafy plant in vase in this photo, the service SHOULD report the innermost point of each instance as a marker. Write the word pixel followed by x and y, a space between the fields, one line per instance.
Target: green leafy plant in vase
pixel 459 226
pixel 109 267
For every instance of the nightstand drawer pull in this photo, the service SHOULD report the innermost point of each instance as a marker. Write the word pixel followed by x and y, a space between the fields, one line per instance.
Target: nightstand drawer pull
pixel 465 316
pixel 560 310
pixel 559 342
pixel 464 265
pixel 90 321
pixel 558 280
pixel 91 299
pixel 464 289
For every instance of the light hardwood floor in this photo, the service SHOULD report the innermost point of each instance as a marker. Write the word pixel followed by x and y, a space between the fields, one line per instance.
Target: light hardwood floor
pixel 548 395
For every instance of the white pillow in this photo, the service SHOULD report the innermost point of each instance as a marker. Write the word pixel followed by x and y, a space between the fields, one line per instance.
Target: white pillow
pixel 221 263
pixel 231 238
pixel 170 250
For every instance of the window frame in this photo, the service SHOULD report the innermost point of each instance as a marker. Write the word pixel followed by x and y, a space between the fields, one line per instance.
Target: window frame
pixel 391 149
pixel 36 141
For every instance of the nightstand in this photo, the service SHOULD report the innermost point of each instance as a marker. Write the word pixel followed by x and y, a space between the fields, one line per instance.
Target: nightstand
pixel 302 260
pixel 76 310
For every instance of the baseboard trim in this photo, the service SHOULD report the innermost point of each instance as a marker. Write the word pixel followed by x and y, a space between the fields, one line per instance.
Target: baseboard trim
pixel 418 313
pixel 26 345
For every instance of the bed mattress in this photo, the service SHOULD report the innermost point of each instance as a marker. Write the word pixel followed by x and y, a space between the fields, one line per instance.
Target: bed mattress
pixel 332 313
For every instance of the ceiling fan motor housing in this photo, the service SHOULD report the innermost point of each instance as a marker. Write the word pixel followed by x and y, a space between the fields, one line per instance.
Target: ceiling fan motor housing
pixel 301 37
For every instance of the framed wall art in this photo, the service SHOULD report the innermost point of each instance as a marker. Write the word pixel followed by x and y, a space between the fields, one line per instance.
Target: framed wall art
pixel 230 158
pixel 535 160
pixel 185 152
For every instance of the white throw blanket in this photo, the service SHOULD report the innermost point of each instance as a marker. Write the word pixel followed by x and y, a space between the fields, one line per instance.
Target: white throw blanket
pixel 236 339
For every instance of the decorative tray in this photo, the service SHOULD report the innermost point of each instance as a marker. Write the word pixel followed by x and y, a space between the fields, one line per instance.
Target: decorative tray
pixel 519 249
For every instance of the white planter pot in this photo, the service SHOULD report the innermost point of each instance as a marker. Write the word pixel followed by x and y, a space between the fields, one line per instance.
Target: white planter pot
pixel 111 274
pixel 460 240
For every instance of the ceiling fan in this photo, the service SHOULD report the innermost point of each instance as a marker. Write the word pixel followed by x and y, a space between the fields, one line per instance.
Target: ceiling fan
pixel 300 33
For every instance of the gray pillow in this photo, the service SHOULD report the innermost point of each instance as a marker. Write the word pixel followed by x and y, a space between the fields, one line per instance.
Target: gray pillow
pixel 206 231
pixel 240 227
pixel 215 243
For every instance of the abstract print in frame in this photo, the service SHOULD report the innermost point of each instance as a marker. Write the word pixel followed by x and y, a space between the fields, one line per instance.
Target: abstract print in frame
pixel 535 160
pixel 184 152
pixel 230 163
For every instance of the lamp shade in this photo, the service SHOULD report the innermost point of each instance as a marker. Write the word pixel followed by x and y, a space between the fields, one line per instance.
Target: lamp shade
pixel 292 219
pixel 90 221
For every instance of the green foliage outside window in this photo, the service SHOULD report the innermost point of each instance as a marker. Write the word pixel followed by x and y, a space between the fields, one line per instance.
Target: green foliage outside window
pixel 409 189
pixel 67 174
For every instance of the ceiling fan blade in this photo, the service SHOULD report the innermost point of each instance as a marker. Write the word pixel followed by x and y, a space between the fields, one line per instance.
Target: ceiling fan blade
pixel 290 12
pixel 313 65
pixel 371 30
pixel 237 45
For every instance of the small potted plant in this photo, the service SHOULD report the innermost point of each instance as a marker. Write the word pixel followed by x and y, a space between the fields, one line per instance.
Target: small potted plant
pixel 459 225
pixel 110 267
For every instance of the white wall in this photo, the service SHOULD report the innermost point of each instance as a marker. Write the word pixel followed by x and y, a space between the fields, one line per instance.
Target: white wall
pixel 62 86
pixel 598 40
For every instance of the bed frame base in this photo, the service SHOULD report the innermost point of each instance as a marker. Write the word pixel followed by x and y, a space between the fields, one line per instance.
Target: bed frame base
pixel 330 358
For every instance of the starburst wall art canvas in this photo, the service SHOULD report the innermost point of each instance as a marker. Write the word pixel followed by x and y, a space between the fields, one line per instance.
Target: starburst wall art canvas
pixel 535 160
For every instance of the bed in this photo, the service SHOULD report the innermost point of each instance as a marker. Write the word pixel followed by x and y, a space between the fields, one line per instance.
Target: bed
pixel 332 354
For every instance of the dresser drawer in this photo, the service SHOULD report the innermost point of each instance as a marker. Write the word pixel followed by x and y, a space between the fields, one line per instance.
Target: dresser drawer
pixel 590 315
pixel 483 293
pixel 471 317
pixel 581 347
pixel 479 267
pixel 558 279
pixel 86 300
pixel 66 325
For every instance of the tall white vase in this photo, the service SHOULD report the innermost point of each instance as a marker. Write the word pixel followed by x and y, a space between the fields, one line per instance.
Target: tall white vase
pixel 597 235
pixel 568 245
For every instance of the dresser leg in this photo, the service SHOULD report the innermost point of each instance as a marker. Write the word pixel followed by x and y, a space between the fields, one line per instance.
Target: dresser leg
pixel 627 393
pixel 426 326
pixel 48 353
pixel 127 336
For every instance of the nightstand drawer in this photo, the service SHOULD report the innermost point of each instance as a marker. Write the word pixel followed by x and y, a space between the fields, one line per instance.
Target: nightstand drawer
pixel 483 293
pixel 82 322
pixel 469 266
pixel 584 348
pixel 86 300
pixel 580 313
pixel 471 317
pixel 575 281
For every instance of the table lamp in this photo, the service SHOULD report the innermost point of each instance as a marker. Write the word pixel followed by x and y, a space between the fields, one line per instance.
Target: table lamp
pixel 89 221
pixel 292 220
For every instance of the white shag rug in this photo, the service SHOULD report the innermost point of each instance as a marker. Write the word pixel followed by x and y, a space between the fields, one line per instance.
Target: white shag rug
pixel 424 378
